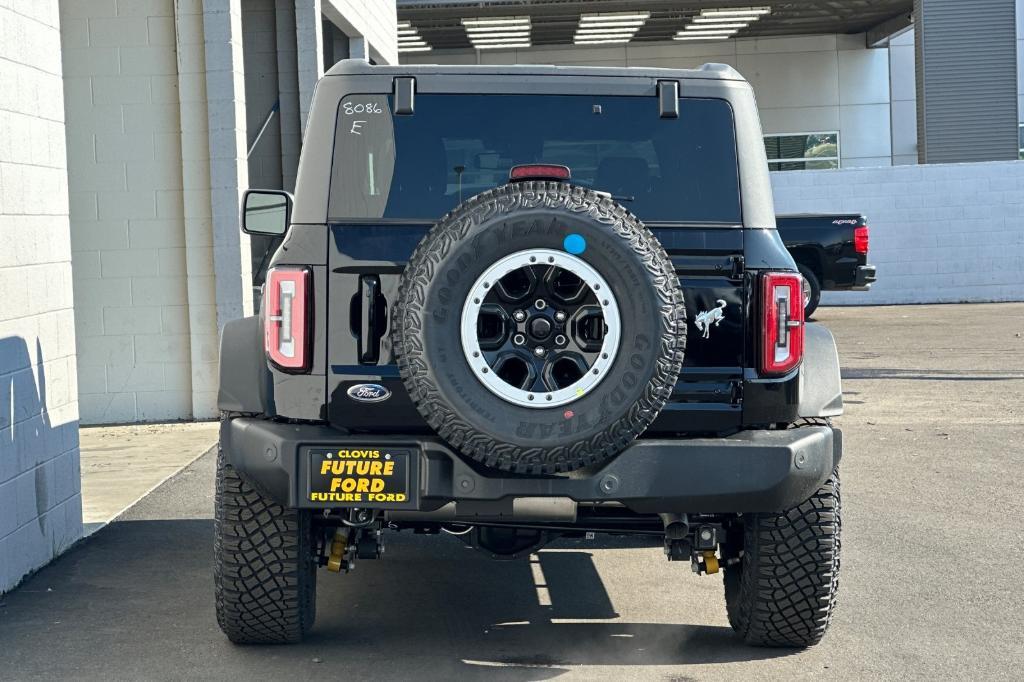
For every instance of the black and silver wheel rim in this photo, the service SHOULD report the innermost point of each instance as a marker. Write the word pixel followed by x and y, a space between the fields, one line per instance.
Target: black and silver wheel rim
pixel 540 328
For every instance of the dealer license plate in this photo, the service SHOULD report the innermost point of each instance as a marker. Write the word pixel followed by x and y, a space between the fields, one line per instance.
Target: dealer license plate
pixel 359 476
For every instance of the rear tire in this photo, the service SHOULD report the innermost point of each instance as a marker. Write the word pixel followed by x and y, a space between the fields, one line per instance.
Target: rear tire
pixel 264 567
pixel 783 591
pixel 814 297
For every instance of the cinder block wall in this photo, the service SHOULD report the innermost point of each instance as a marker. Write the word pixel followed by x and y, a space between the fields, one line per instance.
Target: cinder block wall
pixel 40 502
pixel 127 234
pixel 939 233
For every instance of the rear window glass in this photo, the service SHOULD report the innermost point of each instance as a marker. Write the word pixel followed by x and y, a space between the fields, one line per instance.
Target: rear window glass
pixel 456 146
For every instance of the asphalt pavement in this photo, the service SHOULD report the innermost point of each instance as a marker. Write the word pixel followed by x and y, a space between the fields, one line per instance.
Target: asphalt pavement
pixel 932 564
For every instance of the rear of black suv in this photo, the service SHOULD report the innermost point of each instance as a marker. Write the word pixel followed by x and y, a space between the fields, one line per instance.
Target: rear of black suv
pixel 514 303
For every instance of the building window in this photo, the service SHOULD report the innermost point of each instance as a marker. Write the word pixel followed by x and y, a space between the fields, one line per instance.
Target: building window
pixel 802 151
pixel 1020 141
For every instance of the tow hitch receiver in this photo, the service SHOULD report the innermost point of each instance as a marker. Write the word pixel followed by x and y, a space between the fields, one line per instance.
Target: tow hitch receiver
pixel 699 545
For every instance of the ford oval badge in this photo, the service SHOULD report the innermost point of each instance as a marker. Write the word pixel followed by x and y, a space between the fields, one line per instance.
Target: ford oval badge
pixel 369 393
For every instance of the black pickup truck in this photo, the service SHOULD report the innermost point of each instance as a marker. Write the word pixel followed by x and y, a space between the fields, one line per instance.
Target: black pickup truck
pixel 831 252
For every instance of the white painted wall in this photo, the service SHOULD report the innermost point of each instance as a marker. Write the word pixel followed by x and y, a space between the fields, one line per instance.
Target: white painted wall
pixel 939 233
pixel 40 500
pixel 125 180
pixel 802 83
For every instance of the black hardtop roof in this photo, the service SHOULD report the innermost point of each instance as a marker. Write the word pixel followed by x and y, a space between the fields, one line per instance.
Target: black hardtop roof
pixel 356 67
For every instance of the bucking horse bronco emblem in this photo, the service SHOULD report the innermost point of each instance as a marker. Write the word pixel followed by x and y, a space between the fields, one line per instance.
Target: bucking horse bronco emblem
pixel 710 317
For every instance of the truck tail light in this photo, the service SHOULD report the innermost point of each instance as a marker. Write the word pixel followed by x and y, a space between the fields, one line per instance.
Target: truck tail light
pixel 860 239
pixel 782 311
pixel 286 318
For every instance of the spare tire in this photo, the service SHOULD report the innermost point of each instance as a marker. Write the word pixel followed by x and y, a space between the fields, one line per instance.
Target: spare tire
pixel 540 327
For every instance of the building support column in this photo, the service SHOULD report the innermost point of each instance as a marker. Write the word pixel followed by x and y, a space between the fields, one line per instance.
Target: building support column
pixel 310 40
pixel 229 169
pixel 288 91
pixel 208 37
pixel 966 112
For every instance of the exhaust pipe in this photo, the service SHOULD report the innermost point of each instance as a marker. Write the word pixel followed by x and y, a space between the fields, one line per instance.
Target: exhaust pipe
pixel 677 527
pixel 521 509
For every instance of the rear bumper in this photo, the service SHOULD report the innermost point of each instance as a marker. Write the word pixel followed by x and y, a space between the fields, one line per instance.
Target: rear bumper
pixel 751 471
pixel 865 277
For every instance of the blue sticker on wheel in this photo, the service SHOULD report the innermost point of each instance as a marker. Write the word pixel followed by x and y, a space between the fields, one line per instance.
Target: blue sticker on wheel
pixel 575 244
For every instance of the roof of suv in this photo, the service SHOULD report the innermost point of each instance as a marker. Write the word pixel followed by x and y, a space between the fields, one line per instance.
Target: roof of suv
pixel 354 67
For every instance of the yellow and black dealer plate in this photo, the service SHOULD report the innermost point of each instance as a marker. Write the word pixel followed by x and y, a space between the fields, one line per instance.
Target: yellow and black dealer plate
pixel 360 476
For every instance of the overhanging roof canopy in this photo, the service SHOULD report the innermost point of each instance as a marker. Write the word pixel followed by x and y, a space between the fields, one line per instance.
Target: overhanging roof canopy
pixel 554 22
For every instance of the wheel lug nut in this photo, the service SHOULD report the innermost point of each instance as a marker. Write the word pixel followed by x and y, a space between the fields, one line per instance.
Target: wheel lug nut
pixel 560 316
pixel 539 351
pixel 519 316
pixel 560 340
pixel 540 304
pixel 519 339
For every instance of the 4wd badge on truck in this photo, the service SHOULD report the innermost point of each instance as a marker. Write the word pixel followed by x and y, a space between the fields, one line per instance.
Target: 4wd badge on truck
pixel 369 393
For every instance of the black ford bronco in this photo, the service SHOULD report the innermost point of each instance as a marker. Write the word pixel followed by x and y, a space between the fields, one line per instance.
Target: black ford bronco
pixel 517 303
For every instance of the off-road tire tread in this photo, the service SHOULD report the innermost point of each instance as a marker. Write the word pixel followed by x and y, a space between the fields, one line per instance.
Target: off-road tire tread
pixel 783 593
pixel 264 570
pixel 460 224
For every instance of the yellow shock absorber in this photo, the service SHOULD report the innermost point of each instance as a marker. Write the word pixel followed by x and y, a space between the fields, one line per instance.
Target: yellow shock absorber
pixel 338 546
pixel 710 563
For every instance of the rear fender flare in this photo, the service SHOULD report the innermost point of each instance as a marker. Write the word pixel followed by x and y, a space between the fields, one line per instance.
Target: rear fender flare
pixel 821 389
pixel 245 380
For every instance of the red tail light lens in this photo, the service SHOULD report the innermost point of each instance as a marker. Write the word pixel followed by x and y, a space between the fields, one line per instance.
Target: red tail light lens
pixel 860 239
pixel 782 307
pixel 538 171
pixel 286 318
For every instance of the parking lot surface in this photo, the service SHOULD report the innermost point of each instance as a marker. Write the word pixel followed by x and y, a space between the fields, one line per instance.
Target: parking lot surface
pixel 932 564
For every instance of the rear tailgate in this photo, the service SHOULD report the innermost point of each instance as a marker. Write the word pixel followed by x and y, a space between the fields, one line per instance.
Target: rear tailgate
pixel 366 262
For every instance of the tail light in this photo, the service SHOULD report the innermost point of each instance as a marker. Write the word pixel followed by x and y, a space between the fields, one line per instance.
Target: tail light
pixel 782 311
pixel 286 318
pixel 860 239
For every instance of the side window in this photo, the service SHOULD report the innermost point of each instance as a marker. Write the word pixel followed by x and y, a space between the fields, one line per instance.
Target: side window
pixel 804 151
pixel 364 157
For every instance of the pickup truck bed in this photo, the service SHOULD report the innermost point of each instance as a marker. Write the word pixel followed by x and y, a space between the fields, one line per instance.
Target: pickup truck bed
pixel 831 251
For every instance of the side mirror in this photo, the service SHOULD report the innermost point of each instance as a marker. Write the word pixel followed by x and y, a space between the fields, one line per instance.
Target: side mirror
pixel 266 212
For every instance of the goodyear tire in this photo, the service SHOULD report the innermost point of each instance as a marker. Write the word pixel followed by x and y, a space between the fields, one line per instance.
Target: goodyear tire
pixel 782 592
pixel 540 328
pixel 264 566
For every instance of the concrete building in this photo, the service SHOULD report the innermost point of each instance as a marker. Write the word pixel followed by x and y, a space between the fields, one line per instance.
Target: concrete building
pixel 114 314
pixel 167 97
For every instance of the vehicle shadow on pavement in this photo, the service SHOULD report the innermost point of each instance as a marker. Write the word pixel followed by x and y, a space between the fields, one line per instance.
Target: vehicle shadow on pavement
pixel 136 601
pixel 511 619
